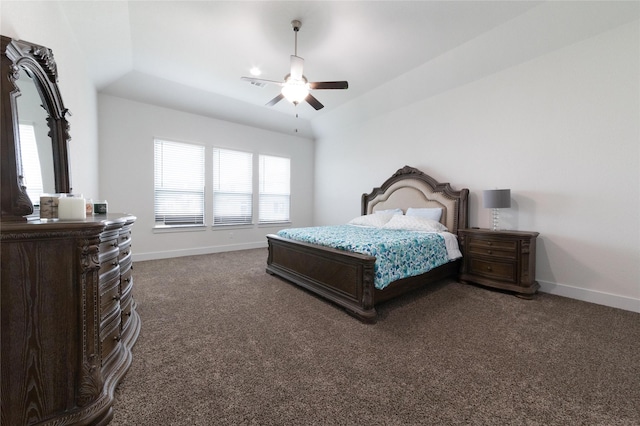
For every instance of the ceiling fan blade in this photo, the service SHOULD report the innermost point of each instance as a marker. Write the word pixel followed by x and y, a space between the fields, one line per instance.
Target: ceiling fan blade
pixel 313 102
pixel 320 85
pixel 275 100
pixel 260 81
pixel 297 63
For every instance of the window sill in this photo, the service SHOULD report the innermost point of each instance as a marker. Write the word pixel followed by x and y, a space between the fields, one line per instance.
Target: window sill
pixel 231 226
pixel 163 229
pixel 274 224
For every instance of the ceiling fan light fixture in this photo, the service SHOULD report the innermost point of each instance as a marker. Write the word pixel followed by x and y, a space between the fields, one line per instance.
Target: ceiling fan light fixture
pixel 295 87
pixel 295 91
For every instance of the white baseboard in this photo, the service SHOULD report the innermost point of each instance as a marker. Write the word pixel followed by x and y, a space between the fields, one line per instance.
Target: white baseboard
pixel 139 257
pixel 592 296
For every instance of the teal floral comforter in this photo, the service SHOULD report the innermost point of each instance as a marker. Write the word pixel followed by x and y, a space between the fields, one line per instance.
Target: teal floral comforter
pixel 399 253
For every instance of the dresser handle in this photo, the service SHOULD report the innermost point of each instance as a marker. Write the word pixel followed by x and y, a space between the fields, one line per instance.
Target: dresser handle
pixel 114 263
pixel 489 243
pixel 116 297
pixel 489 252
pixel 114 244
pixel 489 268
pixel 116 338
pixel 127 280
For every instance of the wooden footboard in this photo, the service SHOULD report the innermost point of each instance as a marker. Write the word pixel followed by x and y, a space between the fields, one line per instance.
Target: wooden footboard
pixel 341 277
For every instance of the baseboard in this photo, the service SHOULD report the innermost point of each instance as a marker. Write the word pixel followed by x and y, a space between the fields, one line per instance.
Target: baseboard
pixel 139 257
pixel 592 296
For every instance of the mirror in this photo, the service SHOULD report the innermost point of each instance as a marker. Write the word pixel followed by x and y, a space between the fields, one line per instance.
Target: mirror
pixel 36 149
pixel 34 128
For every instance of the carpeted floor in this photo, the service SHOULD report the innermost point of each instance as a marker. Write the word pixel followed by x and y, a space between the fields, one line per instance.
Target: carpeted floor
pixel 224 343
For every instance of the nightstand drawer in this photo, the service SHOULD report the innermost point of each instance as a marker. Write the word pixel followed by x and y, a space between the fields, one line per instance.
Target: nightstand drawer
pixel 491 244
pixel 492 252
pixel 503 271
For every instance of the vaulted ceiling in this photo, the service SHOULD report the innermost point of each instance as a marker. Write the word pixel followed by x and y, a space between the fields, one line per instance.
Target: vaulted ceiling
pixel 190 55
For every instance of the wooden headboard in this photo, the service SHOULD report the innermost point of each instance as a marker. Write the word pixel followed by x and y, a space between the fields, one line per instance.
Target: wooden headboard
pixel 410 187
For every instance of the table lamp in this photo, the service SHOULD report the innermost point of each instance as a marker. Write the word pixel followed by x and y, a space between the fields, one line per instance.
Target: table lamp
pixel 496 199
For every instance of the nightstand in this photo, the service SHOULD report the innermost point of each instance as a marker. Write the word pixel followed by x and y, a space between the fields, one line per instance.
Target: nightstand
pixel 499 259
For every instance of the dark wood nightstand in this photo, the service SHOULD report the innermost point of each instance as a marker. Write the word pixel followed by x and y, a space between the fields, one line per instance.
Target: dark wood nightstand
pixel 500 259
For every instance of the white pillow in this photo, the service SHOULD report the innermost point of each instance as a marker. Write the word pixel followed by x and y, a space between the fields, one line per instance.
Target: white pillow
pixel 389 211
pixel 374 220
pixel 414 223
pixel 429 213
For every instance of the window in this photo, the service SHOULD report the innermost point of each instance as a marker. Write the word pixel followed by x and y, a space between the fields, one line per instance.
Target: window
pixel 31 163
pixel 232 187
pixel 275 189
pixel 179 183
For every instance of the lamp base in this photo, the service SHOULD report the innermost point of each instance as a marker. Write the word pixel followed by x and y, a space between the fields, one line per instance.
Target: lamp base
pixel 495 213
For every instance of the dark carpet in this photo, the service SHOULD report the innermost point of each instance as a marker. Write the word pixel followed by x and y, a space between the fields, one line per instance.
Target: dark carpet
pixel 224 343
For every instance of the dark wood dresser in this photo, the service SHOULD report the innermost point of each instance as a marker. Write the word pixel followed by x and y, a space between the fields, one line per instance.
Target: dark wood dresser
pixel 500 259
pixel 68 318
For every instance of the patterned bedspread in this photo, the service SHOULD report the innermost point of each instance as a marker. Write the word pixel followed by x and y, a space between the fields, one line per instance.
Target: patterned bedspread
pixel 399 253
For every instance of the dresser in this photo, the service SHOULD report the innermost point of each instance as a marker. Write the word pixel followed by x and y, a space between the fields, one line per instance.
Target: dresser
pixel 69 319
pixel 500 259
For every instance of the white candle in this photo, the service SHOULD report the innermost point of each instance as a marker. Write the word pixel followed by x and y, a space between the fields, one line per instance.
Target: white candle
pixel 71 208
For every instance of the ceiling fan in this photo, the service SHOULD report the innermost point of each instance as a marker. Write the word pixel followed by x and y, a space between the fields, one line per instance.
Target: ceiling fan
pixel 296 87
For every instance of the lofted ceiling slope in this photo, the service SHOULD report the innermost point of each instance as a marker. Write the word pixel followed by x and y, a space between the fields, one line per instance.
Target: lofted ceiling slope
pixel 190 55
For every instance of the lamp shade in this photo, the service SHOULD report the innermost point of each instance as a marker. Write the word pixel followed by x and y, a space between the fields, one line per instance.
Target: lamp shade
pixel 496 198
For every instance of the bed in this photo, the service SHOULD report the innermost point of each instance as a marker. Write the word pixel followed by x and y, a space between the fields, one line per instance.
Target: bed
pixel 348 278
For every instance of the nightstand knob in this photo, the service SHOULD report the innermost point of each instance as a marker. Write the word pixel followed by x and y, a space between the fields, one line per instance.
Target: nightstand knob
pixel 489 252
pixel 489 268
pixel 489 243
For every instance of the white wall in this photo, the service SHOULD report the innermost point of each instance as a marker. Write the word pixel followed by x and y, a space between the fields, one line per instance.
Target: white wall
pixel 127 131
pixel 562 131
pixel 44 23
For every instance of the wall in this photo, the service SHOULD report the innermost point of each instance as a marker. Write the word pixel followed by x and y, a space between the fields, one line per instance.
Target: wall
pixel 44 23
pixel 562 131
pixel 127 131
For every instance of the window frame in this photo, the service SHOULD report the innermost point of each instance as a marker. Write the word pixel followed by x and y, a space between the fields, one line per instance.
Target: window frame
pixel 262 193
pixel 236 219
pixel 197 217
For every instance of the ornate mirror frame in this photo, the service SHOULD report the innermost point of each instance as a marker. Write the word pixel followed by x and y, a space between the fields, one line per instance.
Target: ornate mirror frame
pixel 39 64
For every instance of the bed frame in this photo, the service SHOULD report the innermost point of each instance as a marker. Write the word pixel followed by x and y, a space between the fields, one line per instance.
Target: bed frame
pixel 347 278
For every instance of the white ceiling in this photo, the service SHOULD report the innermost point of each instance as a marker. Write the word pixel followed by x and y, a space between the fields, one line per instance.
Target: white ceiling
pixel 190 55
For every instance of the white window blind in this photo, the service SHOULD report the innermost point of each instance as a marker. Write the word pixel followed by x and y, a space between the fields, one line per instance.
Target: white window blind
pixel 31 163
pixel 179 183
pixel 275 189
pixel 232 187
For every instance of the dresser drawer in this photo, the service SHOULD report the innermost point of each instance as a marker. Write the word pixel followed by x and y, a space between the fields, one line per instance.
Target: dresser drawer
pixel 109 268
pixel 109 295
pixel 108 248
pixel 124 238
pixel 126 282
pixel 127 305
pixel 125 258
pixel 110 339
pixel 503 271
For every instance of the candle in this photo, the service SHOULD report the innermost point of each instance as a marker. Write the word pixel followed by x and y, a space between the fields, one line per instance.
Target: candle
pixel 72 208
pixel 49 206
